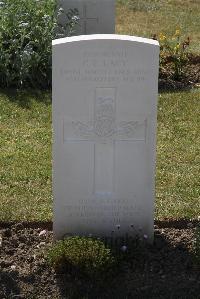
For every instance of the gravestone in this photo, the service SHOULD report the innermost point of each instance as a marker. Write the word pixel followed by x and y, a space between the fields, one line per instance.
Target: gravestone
pixel 96 16
pixel 104 120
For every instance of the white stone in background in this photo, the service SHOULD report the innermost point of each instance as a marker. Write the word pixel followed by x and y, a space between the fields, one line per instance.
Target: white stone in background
pixel 104 120
pixel 96 16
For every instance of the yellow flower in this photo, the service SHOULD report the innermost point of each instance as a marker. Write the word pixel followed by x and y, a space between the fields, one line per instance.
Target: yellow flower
pixel 177 33
pixel 162 37
pixel 177 47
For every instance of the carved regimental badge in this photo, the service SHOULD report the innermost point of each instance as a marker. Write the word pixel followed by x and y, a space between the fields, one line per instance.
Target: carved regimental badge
pixel 104 127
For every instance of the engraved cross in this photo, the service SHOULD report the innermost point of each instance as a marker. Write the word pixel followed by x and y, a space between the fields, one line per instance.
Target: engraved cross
pixel 104 132
pixel 85 19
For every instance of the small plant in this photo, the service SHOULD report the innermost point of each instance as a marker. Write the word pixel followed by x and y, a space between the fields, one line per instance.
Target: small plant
pixel 173 50
pixel 81 255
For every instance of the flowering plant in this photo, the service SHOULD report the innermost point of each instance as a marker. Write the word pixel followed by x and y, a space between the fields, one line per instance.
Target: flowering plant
pixel 26 32
pixel 173 50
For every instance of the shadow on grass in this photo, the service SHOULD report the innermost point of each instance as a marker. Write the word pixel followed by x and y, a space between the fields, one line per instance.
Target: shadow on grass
pixel 23 98
pixel 170 86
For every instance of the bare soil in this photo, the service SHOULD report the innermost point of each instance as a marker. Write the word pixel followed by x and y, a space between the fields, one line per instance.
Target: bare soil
pixel 165 269
pixel 189 79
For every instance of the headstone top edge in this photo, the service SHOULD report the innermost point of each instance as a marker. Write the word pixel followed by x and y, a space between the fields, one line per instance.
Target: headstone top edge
pixel 104 37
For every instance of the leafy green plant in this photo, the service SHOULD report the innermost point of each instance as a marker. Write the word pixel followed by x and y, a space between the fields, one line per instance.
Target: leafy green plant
pixel 174 50
pixel 81 255
pixel 26 32
pixel 65 26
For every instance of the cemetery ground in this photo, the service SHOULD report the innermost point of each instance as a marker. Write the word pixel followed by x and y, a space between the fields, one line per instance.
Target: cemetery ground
pixel 165 270
pixel 26 156
pixel 147 17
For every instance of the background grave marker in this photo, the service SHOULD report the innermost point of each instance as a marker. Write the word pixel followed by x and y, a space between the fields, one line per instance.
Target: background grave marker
pixel 96 16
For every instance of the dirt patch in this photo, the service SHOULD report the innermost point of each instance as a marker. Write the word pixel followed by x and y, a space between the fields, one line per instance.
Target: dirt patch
pixel 163 270
pixel 189 79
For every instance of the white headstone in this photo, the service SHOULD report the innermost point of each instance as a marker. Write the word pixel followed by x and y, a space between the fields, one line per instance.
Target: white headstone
pixel 104 119
pixel 96 16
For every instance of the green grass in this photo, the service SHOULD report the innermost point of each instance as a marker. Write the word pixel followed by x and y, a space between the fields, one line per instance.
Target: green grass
pixel 25 156
pixel 178 155
pixel 147 17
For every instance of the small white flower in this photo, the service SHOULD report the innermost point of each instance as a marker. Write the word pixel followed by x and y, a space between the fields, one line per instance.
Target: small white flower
pixel 23 24
pixel 124 248
pixel 75 18
pixel 61 10
pixel 46 17
pixel 145 237
pixel 42 233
